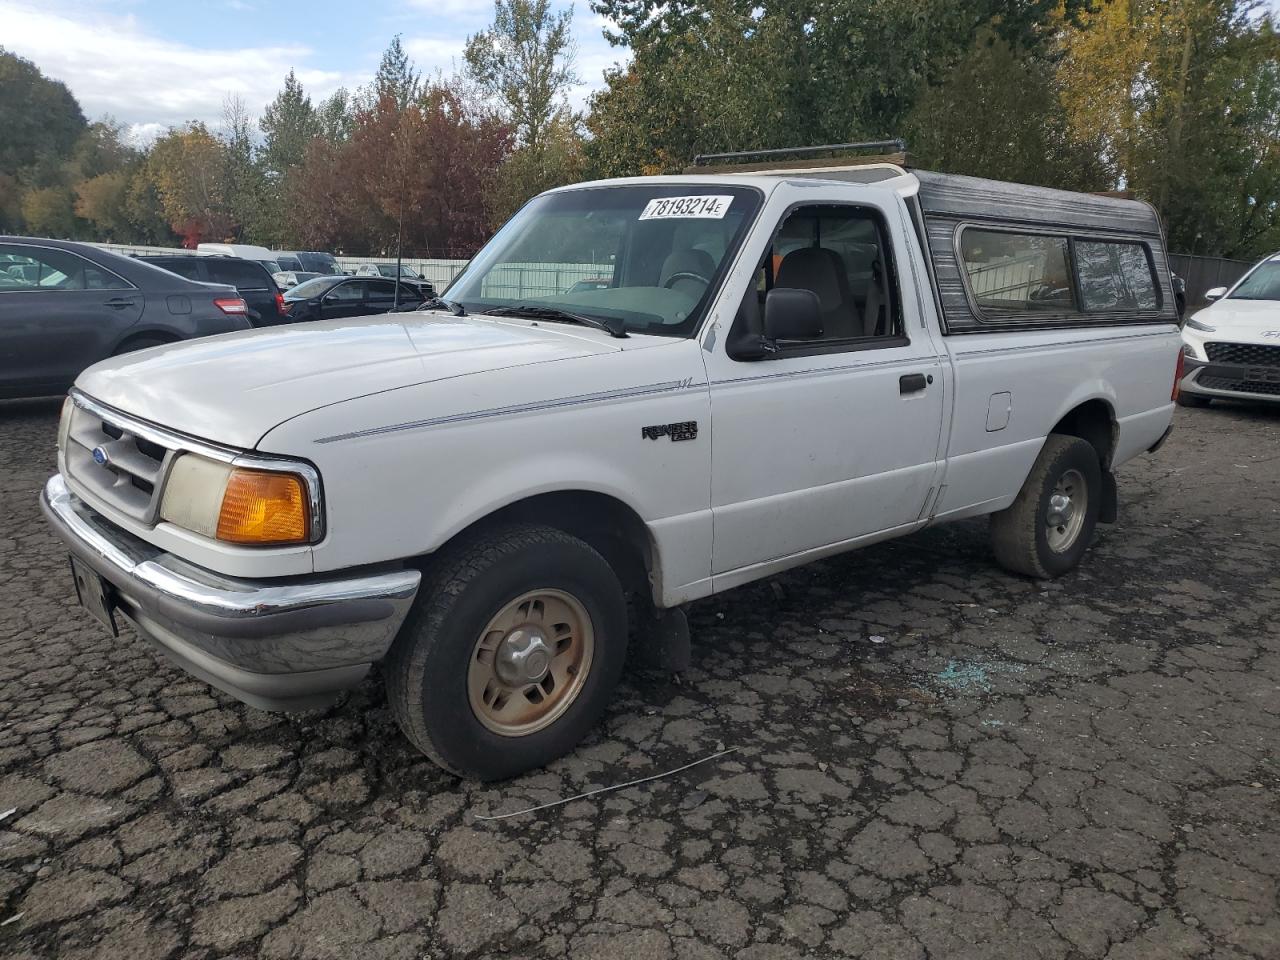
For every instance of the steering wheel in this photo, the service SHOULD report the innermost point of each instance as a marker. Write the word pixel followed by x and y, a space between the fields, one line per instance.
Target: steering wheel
pixel 686 275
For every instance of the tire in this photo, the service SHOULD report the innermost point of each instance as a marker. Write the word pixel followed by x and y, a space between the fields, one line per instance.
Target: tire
pixel 1192 399
pixel 1023 540
pixel 433 666
pixel 141 343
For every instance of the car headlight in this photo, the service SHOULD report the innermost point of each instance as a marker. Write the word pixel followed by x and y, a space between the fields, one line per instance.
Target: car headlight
pixel 237 504
pixel 1195 324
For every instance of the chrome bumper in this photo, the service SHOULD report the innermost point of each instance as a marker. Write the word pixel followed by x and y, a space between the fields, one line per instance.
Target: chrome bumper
pixel 279 645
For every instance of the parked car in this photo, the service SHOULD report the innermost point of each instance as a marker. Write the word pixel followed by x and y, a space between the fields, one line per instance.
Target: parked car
pixel 591 283
pixel 258 288
pixel 407 276
pixel 329 298
pixel 315 261
pixel 246 251
pixel 64 306
pixel 288 279
pixel 288 263
pixel 1232 346
pixel 476 495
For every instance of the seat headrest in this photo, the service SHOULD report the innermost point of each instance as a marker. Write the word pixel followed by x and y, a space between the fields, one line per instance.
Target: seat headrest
pixel 813 268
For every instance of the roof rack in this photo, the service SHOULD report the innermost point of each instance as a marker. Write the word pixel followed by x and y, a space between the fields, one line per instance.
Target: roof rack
pixel 874 151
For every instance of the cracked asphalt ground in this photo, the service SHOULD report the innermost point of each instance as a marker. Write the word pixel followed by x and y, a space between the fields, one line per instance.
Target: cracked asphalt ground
pixel 933 759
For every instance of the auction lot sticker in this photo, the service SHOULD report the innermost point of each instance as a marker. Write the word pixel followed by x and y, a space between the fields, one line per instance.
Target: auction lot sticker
pixel 704 207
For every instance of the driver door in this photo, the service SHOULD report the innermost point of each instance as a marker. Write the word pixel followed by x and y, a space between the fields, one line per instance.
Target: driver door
pixel 819 443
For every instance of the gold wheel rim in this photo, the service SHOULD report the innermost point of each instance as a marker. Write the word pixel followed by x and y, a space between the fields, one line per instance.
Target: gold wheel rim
pixel 530 662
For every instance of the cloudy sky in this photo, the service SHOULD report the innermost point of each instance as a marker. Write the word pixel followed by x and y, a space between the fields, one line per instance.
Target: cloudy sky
pixel 156 63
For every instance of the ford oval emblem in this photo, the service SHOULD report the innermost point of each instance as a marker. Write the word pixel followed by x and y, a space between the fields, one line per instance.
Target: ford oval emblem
pixel 100 457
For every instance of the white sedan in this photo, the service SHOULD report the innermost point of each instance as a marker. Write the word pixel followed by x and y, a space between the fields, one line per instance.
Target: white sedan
pixel 1232 347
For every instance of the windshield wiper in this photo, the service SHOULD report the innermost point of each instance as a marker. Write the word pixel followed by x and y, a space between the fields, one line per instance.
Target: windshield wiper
pixel 439 303
pixel 610 325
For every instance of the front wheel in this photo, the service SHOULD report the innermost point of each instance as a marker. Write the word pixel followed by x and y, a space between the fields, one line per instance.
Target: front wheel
pixel 1046 530
pixel 511 653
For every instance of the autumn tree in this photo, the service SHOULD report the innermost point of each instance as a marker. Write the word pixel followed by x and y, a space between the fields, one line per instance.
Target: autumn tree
pixel 188 167
pixel 1183 94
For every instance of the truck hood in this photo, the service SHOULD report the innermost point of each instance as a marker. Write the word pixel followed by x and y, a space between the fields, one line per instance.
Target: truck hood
pixel 232 389
pixel 1243 321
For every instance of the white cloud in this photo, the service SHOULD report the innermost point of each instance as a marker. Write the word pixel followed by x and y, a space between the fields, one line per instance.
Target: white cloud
pixel 113 66
pixel 435 53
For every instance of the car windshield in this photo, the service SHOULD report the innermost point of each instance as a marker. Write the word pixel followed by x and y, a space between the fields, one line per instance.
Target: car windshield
pixel 312 288
pixel 654 254
pixel 1262 284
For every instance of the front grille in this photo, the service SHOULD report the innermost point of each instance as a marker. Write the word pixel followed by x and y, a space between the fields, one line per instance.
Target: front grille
pixel 1239 386
pixel 1247 354
pixel 129 474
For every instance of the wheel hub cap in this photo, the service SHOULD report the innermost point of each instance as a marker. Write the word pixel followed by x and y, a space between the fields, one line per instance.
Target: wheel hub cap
pixel 530 662
pixel 523 656
pixel 1060 510
pixel 1064 516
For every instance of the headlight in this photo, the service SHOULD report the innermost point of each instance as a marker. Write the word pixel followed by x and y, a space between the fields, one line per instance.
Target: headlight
pixel 237 504
pixel 1195 324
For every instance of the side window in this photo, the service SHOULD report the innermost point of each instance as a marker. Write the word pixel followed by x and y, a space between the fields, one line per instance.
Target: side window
pixel 841 254
pixel 239 274
pixel 48 268
pixel 1017 272
pixel 348 291
pixel 1115 276
pixel 382 290
pixel 183 268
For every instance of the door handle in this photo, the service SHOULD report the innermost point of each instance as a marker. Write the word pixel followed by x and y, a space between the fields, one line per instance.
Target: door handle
pixel 913 382
pixel 117 303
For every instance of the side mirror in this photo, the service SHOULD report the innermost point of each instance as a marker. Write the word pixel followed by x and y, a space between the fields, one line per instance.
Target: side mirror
pixel 1216 293
pixel 330 298
pixel 792 313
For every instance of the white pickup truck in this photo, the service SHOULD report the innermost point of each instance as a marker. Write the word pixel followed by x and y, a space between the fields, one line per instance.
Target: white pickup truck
pixel 641 392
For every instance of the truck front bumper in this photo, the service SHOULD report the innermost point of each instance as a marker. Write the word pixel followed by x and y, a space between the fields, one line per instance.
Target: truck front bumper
pixel 291 644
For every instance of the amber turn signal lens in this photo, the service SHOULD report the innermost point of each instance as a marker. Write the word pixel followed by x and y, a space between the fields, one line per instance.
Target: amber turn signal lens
pixel 264 508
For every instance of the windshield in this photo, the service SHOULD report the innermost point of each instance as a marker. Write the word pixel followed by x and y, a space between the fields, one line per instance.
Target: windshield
pixel 653 254
pixel 1262 284
pixel 312 288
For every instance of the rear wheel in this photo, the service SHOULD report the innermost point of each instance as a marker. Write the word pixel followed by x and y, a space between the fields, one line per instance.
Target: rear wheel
pixel 511 653
pixel 1047 529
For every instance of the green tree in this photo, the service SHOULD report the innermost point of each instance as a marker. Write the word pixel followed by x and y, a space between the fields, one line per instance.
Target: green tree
pixel 245 186
pixel 525 61
pixel 396 78
pixel 713 75
pixel 997 113
pixel 49 212
pixel 333 116
pixel 39 117
pixel 288 124
pixel 103 202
